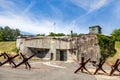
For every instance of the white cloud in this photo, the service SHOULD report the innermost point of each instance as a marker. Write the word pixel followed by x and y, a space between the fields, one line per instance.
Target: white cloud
pixel 16 17
pixel 27 25
pixel 91 5
pixel 8 6
pixel 26 10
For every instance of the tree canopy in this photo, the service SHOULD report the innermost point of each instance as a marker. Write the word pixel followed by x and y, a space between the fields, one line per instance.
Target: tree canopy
pixel 116 34
pixel 54 34
pixel 40 34
pixel 8 34
pixel 107 46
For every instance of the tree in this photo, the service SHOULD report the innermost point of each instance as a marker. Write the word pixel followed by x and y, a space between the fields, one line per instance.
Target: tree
pixel 54 34
pixel 116 34
pixel 1 34
pixel 60 34
pixel 8 34
pixel 15 33
pixel 107 46
pixel 40 34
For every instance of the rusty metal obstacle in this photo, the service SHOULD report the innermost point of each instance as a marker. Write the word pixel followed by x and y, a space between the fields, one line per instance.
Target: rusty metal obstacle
pixel 82 65
pixel 24 61
pixel 115 67
pixel 99 67
pixel 1 54
pixel 10 59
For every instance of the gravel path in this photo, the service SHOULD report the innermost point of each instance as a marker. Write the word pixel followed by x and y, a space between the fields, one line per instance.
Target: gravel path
pixel 44 71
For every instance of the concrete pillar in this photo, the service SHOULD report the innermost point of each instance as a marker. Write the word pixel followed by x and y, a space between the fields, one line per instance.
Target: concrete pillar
pixel 53 48
pixel 69 56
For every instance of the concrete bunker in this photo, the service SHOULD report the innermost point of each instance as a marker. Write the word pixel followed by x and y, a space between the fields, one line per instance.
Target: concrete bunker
pixel 62 48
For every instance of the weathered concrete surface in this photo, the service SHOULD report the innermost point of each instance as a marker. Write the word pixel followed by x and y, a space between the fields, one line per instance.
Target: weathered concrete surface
pixel 35 45
pixel 41 71
pixel 87 45
pixel 66 47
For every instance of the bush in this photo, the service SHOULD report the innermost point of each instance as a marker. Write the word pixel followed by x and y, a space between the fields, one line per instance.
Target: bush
pixel 107 46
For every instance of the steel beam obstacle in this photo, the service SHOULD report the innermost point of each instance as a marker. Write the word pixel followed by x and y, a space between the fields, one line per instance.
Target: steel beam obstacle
pixel 82 65
pixel 24 61
pixel 99 67
pixel 115 67
pixel 10 59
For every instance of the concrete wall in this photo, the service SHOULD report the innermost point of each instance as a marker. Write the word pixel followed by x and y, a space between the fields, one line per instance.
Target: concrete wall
pixel 86 44
pixel 47 43
pixel 33 45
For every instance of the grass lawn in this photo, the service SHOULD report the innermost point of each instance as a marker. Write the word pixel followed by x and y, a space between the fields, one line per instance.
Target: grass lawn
pixel 117 55
pixel 8 46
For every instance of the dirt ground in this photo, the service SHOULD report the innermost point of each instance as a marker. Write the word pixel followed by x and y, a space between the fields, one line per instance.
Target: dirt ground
pixel 51 71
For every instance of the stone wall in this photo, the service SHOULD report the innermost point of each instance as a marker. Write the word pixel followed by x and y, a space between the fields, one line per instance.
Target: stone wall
pixel 86 45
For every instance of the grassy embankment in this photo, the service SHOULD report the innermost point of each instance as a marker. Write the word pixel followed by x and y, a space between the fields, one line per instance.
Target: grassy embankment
pixel 8 46
pixel 117 55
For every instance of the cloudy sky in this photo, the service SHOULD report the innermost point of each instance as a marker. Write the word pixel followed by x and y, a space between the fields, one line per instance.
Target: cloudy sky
pixel 44 16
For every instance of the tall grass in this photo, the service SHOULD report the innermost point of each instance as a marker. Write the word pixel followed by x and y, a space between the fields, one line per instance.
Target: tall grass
pixel 8 46
pixel 117 55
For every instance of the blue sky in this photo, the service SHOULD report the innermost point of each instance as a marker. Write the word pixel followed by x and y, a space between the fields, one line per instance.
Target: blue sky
pixel 44 16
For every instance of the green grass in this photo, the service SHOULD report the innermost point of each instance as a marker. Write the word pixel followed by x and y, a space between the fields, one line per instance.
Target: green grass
pixel 117 45
pixel 117 55
pixel 8 46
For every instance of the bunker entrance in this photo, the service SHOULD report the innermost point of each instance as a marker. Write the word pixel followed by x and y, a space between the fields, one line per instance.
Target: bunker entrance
pixel 61 55
pixel 39 52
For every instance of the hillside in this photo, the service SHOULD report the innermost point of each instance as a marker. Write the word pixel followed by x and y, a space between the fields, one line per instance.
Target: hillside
pixel 117 55
pixel 8 46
